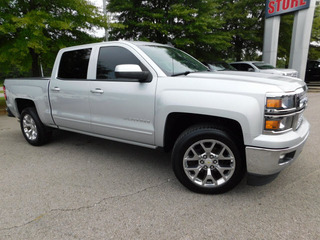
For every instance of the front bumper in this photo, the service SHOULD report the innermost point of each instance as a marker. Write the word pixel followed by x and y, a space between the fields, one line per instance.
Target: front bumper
pixel 268 162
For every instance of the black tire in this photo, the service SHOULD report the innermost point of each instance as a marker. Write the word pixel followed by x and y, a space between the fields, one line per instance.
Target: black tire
pixel 33 129
pixel 203 170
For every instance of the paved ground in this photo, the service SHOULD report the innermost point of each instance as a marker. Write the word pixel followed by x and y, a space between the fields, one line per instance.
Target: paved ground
pixel 79 187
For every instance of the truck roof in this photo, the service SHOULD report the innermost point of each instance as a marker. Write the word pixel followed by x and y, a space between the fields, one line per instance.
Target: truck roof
pixel 136 43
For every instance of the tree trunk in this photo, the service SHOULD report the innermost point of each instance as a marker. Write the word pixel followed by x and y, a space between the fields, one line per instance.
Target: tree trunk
pixel 238 49
pixel 36 72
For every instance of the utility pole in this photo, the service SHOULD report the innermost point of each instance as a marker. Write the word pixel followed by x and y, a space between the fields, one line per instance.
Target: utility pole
pixel 104 6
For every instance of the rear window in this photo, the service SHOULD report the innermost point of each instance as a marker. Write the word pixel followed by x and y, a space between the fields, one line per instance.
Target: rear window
pixel 74 64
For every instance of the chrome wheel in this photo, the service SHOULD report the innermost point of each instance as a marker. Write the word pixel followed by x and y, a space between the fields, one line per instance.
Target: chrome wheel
pixel 29 127
pixel 209 163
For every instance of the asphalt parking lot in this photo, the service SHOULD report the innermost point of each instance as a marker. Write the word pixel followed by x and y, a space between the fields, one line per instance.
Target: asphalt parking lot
pixel 79 187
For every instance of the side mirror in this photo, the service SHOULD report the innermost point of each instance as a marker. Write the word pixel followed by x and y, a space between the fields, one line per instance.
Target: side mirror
pixel 250 69
pixel 131 71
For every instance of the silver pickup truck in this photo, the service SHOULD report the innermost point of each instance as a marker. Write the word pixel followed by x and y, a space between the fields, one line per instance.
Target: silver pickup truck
pixel 218 126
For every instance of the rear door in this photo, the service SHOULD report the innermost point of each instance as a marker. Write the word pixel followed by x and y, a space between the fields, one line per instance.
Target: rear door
pixel 69 91
pixel 122 108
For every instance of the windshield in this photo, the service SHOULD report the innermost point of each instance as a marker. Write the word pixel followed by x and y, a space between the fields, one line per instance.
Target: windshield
pixel 173 61
pixel 263 65
pixel 221 66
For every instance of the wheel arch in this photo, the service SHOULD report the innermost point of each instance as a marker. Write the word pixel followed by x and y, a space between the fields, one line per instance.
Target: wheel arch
pixel 22 104
pixel 177 122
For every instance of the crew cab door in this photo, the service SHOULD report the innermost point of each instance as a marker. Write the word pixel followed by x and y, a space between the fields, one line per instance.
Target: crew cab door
pixel 69 90
pixel 122 108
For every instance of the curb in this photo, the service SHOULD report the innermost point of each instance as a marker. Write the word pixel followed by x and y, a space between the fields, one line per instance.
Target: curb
pixel 313 89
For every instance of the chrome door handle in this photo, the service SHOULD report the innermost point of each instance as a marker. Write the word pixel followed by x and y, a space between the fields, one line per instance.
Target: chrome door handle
pixel 97 90
pixel 55 89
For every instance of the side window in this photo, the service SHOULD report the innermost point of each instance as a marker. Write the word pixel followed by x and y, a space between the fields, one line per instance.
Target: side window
pixel 237 66
pixel 74 64
pixel 245 67
pixel 110 57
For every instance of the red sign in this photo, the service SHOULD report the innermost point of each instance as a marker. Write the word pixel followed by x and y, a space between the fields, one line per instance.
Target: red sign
pixel 277 7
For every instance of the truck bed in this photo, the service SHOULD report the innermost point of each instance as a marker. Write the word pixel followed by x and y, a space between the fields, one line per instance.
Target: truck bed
pixel 33 89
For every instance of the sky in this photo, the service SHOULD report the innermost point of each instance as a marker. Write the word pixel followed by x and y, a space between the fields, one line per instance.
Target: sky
pixel 98 3
pixel 99 32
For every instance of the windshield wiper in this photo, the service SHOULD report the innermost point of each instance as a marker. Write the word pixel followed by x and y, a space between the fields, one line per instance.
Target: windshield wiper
pixel 180 74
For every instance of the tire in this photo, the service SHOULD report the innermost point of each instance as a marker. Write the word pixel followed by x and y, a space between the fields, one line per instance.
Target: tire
pixel 33 129
pixel 206 159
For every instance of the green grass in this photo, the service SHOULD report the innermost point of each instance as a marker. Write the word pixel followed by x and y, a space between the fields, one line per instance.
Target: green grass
pixel 2 100
pixel 2 103
pixel 1 84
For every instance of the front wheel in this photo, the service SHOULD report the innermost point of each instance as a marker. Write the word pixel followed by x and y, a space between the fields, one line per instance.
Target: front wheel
pixel 206 160
pixel 33 129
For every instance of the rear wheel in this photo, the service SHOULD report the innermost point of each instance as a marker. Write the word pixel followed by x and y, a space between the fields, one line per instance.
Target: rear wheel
pixel 207 160
pixel 33 129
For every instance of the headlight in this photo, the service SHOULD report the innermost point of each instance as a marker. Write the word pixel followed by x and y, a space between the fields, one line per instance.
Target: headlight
pixel 274 103
pixel 281 103
pixel 284 112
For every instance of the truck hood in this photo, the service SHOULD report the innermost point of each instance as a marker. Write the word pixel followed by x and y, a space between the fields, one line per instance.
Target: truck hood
pixel 280 71
pixel 286 84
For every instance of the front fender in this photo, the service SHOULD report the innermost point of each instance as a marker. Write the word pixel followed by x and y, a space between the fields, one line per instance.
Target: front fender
pixel 244 109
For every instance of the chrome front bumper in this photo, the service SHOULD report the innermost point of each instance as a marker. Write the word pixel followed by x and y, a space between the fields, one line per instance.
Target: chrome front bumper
pixel 264 161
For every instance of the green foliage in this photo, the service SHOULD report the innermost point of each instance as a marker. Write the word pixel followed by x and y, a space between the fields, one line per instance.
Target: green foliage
pixel 207 29
pixel 34 30
pixel 285 35
pixel 314 51
pixel 315 36
pixel 189 25
pixel 31 30
pixel 2 103
pixel 244 21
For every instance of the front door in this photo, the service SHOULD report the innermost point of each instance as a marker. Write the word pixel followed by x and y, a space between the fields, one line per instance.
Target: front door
pixel 122 108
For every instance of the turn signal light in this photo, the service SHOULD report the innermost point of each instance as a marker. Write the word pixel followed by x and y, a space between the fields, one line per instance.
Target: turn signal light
pixel 274 103
pixel 272 124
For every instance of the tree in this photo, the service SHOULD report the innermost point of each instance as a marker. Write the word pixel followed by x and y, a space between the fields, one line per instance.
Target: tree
pixel 285 37
pixel 31 30
pixel 207 29
pixel 244 21
pixel 314 51
pixel 191 25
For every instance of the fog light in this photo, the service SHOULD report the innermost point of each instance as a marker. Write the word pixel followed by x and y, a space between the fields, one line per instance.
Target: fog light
pixel 272 124
pixel 284 158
